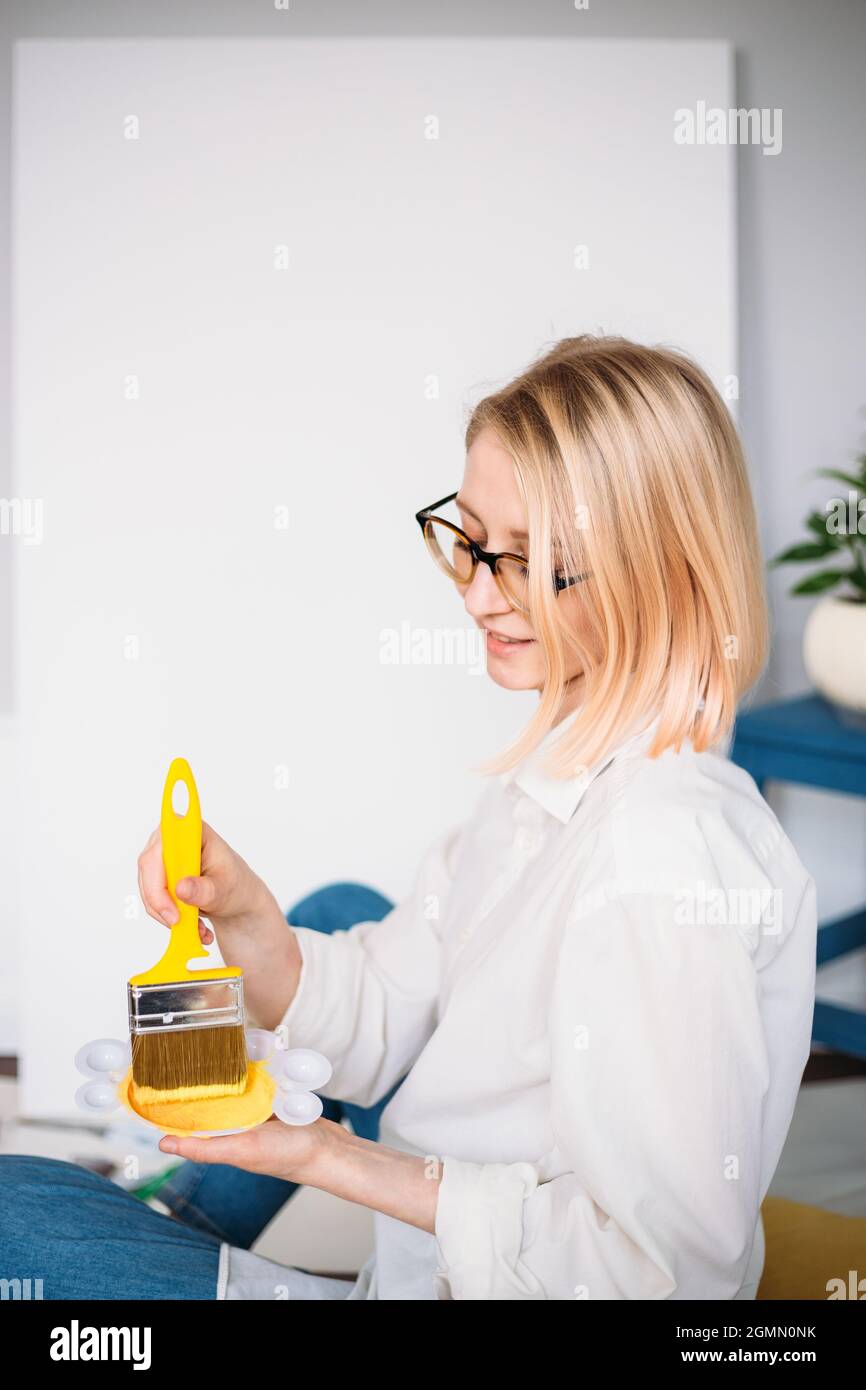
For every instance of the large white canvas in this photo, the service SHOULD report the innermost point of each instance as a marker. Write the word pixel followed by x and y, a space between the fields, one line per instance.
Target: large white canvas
pixel 421 272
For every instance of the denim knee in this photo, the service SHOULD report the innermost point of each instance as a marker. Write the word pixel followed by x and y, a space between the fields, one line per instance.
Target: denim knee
pixel 79 1235
pixel 30 1185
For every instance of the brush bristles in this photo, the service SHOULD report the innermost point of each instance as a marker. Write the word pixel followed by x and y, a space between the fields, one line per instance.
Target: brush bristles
pixel 189 1063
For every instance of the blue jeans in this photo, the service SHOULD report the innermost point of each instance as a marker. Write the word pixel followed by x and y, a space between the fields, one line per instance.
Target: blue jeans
pixel 85 1237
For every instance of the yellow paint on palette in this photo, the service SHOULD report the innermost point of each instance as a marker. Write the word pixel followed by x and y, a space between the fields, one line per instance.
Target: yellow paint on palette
pixel 212 1113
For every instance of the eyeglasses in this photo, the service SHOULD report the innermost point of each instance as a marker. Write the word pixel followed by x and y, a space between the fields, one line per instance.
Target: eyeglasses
pixel 458 556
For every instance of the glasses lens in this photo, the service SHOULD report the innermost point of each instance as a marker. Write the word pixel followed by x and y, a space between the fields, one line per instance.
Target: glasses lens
pixel 449 550
pixel 512 576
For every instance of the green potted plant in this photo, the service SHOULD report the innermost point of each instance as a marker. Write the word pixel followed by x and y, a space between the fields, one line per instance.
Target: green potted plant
pixel 834 640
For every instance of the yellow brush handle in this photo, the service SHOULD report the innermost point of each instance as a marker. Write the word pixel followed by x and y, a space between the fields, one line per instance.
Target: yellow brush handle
pixel 181 853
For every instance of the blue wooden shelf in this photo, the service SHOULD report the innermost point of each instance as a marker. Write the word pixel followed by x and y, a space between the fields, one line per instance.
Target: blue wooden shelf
pixel 810 742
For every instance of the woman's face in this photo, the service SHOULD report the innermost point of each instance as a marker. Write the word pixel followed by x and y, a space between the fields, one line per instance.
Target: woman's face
pixel 493 514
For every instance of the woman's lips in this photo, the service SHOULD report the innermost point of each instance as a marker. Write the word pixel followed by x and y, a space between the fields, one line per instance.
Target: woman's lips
pixel 501 645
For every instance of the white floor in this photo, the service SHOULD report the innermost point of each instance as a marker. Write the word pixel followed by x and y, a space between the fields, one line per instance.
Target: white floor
pixel 823 1163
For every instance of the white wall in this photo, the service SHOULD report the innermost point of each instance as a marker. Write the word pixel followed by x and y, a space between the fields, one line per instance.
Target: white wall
pixel 258 647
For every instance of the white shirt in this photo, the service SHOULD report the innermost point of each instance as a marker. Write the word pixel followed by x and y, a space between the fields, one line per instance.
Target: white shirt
pixel 601 990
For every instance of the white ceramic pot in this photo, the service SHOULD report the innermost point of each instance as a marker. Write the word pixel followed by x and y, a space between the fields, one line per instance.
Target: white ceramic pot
pixel 834 651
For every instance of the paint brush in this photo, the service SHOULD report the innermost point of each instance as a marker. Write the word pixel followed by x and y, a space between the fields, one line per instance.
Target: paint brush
pixel 186 1026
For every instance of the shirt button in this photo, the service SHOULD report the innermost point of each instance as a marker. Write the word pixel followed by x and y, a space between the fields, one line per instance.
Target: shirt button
pixel 464 934
pixel 527 841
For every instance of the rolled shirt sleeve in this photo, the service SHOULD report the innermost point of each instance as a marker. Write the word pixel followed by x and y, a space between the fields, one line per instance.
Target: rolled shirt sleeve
pixel 659 1071
pixel 367 996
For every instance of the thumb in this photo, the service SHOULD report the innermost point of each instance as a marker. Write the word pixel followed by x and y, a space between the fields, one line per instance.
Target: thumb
pixel 200 892
pixel 234 1150
pixel 197 1150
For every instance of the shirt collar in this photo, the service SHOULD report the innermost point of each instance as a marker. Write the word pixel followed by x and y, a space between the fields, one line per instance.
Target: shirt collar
pixel 560 797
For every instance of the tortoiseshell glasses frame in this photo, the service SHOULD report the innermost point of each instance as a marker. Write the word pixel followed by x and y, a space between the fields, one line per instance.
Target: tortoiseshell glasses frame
pixel 510 571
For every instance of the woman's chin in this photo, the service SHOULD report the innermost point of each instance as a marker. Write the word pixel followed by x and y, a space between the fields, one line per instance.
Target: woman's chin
pixel 512 674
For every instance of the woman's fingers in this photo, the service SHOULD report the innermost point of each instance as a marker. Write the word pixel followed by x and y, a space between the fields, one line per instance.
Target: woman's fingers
pixel 198 891
pixel 156 897
pixel 283 1151
pixel 151 883
pixel 213 891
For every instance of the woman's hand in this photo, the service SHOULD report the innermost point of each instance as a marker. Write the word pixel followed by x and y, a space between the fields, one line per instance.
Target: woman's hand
pixel 250 928
pixel 327 1156
pixel 227 891
pixel 295 1153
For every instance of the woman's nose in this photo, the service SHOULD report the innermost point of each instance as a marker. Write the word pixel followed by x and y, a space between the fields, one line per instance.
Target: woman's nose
pixel 483 595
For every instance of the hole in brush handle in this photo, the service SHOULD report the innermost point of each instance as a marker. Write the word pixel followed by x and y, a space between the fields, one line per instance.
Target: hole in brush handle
pixel 180 798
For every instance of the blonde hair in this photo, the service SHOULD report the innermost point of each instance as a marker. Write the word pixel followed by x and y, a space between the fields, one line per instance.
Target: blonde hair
pixel 630 468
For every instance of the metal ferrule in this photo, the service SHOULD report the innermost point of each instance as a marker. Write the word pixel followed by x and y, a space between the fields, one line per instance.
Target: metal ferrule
pixel 187 1004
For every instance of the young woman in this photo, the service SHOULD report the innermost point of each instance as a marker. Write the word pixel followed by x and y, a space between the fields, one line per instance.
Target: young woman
pixel 597 1001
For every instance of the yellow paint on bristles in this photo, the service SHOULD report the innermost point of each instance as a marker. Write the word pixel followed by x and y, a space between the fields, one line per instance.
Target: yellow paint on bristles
pixel 150 1095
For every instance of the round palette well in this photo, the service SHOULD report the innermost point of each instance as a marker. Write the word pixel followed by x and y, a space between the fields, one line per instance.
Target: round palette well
pixel 210 1116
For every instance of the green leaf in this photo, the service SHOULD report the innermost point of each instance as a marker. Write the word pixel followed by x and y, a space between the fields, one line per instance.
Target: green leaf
pixel 817 583
pixel 817 522
pixel 808 550
pixel 841 477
